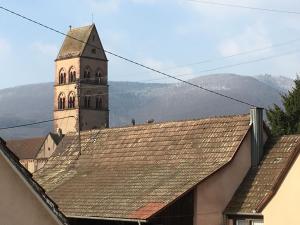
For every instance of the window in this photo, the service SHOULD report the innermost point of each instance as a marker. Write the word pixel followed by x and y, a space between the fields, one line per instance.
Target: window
pixel 87 73
pixel 257 222
pixel 72 75
pixel 61 101
pixel 87 101
pixel 99 77
pixel 249 222
pixel 99 104
pixel 98 73
pixel 62 76
pixel 93 50
pixel 242 222
pixel 71 100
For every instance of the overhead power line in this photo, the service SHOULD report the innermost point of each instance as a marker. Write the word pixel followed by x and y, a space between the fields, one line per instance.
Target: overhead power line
pixel 276 45
pixel 267 47
pixel 245 7
pixel 231 65
pixel 34 123
pixel 129 60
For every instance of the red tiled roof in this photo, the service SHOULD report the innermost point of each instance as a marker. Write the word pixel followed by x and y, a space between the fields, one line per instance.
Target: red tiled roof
pixel 260 183
pixel 26 148
pixel 134 172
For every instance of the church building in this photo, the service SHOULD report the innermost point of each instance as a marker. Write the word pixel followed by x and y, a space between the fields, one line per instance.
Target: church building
pixel 80 89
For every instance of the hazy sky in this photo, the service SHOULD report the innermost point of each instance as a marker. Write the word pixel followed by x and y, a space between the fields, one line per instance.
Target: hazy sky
pixel 160 33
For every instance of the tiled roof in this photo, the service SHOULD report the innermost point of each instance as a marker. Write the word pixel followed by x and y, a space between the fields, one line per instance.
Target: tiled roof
pixel 259 183
pixel 33 184
pixel 26 148
pixel 133 172
pixel 71 46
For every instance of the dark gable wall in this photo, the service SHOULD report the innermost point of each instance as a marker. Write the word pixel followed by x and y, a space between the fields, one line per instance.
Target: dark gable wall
pixel 179 213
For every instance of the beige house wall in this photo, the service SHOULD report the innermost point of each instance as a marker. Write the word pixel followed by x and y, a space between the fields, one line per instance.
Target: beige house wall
pixel 284 208
pixel 19 204
pixel 47 148
pixel 69 124
pixel 33 165
pixel 29 164
pixel 213 195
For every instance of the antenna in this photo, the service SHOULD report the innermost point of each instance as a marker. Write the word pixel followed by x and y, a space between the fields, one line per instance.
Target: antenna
pixel 92 18
pixel 79 121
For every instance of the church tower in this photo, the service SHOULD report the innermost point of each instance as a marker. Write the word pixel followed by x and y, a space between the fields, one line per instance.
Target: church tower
pixel 80 88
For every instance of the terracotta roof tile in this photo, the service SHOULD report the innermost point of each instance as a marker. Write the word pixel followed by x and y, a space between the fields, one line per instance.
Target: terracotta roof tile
pixel 259 182
pixel 26 148
pixel 135 171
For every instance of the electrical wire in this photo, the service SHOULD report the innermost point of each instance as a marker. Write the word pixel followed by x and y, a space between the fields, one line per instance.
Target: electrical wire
pixel 245 7
pixel 230 65
pixel 34 123
pixel 130 60
pixel 276 45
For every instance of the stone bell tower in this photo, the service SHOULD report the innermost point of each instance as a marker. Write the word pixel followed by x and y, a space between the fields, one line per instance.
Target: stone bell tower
pixel 80 88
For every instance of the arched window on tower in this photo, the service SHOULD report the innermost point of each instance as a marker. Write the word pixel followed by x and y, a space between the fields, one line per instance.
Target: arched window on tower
pixel 87 72
pixel 71 100
pixel 99 103
pixel 87 101
pixel 72 75
pixel 100 78
pixel 61 101
pixel 62 76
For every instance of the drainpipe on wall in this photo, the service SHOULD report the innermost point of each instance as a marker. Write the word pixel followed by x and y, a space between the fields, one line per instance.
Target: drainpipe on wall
pixel 256 119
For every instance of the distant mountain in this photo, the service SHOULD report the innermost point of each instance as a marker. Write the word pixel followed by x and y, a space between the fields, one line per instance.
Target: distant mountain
pixel 283 84
pixel 143 101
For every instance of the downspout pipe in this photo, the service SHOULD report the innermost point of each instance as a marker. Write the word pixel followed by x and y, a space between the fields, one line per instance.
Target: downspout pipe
pixel 256 120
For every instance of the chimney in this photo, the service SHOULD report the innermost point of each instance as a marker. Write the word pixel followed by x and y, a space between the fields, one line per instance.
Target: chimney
pixel 256 120
pixel 59 132
pixel 133 122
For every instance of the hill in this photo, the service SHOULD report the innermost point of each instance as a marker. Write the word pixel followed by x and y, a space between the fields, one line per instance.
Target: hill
pixel 143 101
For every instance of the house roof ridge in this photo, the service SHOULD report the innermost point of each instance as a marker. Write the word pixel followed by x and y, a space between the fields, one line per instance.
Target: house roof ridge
pixel 167 122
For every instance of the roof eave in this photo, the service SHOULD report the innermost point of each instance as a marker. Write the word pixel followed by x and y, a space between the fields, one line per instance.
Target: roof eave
pixel 109 219
pixel 243 214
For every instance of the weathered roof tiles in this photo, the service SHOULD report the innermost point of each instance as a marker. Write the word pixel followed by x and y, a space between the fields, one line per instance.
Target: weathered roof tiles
pixel 133 172
pixel 260 182
pixel 74 42
pixel 26 148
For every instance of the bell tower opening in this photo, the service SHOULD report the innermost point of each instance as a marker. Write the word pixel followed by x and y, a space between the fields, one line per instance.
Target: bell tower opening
pixel 80 88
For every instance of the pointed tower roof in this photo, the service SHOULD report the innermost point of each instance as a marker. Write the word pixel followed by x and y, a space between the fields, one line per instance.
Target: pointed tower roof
pixel 71 47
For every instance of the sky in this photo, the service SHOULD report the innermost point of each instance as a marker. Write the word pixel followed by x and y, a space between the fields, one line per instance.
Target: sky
pixel 174 36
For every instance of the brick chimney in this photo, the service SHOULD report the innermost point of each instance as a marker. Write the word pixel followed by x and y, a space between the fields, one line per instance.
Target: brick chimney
pixel 256 120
